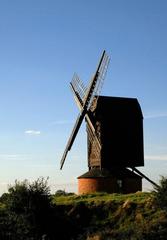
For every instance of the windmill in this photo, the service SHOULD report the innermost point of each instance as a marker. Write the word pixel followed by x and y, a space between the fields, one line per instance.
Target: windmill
pixel 115 136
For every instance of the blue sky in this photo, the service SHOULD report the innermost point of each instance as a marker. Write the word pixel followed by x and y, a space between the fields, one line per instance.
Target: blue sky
pixel 42 43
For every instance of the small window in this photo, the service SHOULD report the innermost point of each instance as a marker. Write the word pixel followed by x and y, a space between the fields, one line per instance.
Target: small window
pixel 119 183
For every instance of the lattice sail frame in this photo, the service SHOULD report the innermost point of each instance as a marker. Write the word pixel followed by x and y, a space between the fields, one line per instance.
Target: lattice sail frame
pixel 101 77
pixel 81 89
pixel 91 132
pixel 84 97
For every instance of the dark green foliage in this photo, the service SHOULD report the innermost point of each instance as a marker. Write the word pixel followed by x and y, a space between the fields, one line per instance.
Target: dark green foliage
pixel 160 194
pixel 27 210
pixel 28 213
pixel 62 193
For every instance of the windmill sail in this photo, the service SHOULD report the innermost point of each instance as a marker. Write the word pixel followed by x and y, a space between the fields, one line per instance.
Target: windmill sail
pixel 79 87
pixel 86 97
pixel 101 73
pixel 91 130
pixel 72 137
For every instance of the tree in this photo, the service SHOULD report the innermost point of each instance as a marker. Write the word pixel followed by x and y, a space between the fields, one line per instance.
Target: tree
pixel 63 193
pixel 29 213
pixel 29 207
pixel 160 194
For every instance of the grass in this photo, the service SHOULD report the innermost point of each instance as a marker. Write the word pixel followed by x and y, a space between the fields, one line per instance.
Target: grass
pixel 115 216
pixel 104 216
pixel 98 198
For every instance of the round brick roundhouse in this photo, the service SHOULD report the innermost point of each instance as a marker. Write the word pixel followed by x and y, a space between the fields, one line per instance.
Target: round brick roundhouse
pixel 96 180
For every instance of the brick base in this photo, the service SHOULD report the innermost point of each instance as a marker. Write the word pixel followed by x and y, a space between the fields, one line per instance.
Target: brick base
pixel 113 181
pixel 109 185
pixel 91 185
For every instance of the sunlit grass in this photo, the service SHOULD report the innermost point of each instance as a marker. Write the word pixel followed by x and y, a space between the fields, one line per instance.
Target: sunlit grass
pixel 100 197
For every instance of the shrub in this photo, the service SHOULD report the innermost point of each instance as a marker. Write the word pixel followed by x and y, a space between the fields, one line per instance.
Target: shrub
pixel 60 192
pixel 28 209
pixel 30 214
pixel 160 194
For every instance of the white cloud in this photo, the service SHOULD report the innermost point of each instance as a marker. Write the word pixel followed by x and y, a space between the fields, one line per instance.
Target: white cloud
pixel 11 157
pixel 156 157
pixel 32 132
pixel 155 115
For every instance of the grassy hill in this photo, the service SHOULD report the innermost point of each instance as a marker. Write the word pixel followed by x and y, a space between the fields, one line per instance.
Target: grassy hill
pixel 115 216
pixel 28 211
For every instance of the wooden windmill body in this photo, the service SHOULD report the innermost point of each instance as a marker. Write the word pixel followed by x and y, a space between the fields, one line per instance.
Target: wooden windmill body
pixel 115 137
pixel 119 126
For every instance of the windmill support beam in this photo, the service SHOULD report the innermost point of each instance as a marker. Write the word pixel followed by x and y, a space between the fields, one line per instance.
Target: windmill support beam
pixel 144 176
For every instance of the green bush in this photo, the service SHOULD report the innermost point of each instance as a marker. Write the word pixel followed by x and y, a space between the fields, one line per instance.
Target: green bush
pixel 28 207
pixel 27 212
pixel 60 192
pixel 160 194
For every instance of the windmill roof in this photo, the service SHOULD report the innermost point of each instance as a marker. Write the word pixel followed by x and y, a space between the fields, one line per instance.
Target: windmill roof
pixel 118 106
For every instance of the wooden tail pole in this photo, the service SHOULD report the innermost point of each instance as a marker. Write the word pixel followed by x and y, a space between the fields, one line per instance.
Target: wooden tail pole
pixel 144 176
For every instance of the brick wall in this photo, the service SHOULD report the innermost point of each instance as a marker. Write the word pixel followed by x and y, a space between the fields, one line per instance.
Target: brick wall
pixel 90 185
pixel 110 185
